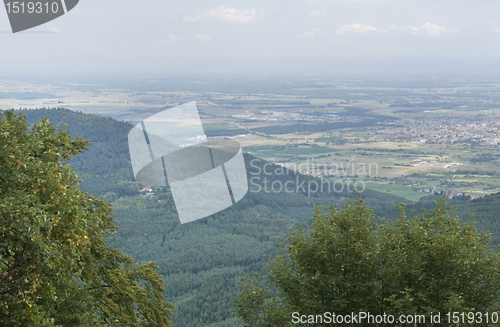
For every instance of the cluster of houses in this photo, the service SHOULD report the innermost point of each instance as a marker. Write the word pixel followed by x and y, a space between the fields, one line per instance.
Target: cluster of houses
pixel 446 131
pixel 450 194
pixel 146 191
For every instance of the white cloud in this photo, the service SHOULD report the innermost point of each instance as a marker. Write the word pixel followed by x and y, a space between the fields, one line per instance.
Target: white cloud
pixel 431 29
pixel 306 35
pixel 396 28
pixel 425 29
pixel 226 15
pixel 174 38
pixel 492 27
pixel 358 29
pixel 317 13
pixel 203 37
pixel 312 33
pixel 54 29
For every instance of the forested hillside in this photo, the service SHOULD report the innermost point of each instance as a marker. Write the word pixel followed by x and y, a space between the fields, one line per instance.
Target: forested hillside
pixel 201 261
pixel 484 212
pixel 107 157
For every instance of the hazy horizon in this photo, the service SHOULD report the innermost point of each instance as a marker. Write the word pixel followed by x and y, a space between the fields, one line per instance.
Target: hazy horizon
pixel 307 36
pixel 267 66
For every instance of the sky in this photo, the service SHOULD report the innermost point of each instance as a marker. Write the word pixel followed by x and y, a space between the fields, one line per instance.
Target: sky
pixel 218 29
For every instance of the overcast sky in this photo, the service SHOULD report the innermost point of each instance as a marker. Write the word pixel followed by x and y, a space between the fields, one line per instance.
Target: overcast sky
pixel 306 28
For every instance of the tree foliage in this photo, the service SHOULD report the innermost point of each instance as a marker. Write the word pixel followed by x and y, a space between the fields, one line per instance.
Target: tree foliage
pixel 56 268
pixel 347 263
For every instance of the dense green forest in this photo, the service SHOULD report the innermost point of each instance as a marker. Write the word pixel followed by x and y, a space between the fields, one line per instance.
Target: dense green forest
pixel 202 261
pixel 347 264
pixel 56 265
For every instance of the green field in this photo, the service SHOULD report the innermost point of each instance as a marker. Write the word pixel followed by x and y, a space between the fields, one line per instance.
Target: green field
pixel 298 151
pixel 218 126
pixel 406 192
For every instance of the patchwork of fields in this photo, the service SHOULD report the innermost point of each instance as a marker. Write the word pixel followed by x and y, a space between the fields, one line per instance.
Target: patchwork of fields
pixel 417 136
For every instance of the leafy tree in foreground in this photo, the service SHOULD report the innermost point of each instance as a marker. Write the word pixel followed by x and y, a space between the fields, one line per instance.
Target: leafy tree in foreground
pixel 346 263
pixel 55 266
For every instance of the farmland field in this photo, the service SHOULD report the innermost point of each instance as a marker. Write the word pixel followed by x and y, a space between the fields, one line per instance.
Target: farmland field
pixel 418 135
